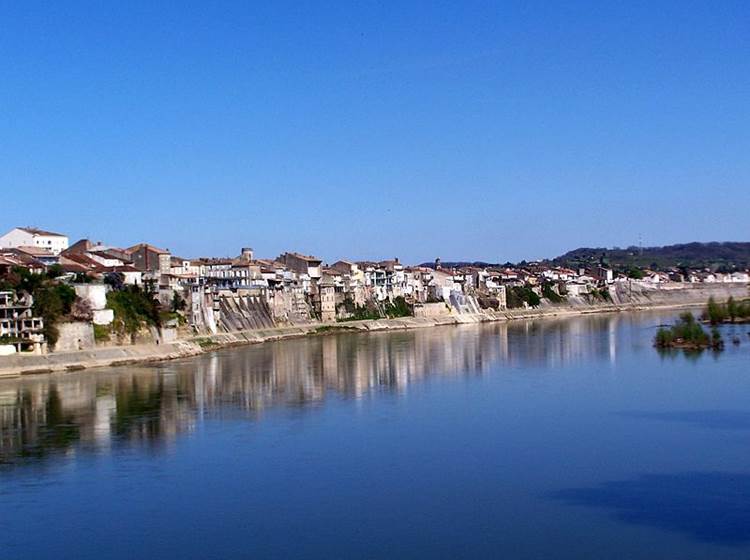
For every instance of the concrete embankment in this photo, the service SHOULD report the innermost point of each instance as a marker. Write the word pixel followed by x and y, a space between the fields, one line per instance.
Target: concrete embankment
pixel 16 365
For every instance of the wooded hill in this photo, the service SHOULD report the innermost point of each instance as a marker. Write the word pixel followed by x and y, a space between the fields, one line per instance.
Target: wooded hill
pixel 714 255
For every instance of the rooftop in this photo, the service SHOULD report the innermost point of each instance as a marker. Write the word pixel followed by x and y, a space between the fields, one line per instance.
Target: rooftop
pixel 146 246
pixel 37 231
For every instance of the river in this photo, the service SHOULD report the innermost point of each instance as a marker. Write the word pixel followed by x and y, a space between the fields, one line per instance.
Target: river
pixel 569 438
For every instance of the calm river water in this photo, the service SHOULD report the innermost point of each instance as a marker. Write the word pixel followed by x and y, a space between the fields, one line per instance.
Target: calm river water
pixel 543 439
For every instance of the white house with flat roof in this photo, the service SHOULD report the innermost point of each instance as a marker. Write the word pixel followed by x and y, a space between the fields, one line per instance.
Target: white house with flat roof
pixel 34 237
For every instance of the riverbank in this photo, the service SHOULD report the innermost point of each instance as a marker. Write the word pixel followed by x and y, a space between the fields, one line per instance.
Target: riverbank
pixel 18 365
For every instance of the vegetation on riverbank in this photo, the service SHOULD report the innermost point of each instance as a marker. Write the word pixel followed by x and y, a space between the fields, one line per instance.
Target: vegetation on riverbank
pixel 549 293
pixel 517 296
pixel 134 309
pixel 688 334
pixel 390 309
pixel 53 300
pixel 730 312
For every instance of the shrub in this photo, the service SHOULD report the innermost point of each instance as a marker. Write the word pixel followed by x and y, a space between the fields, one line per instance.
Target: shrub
pixel 101 333
pixel 550 294
pixel 51 303
pixel 732 310
pixel 687 333
pixel 398 308
pixel 516 296
pixel 133 309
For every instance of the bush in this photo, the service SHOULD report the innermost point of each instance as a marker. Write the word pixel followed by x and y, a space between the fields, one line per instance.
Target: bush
pixel 101 333
pixel 516 296
pixel 398 308
pixel 133 309
pixel 51 303
pixel 550 294
pixel 178 303
pixel 687 333
pixel 732 311
pixel 362 313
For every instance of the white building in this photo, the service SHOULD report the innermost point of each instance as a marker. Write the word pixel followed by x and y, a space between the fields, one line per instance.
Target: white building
pixel 33 237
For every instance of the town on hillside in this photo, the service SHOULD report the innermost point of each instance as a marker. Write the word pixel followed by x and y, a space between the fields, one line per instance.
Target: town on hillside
pixel 57 296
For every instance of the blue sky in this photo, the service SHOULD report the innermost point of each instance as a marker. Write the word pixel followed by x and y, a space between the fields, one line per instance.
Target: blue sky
pixel 473 130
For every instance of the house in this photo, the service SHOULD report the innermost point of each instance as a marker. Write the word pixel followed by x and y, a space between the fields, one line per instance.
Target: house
pixel 42 254
pixel 302 264
pixel 148 258
pixel 18 325
pixel 327 300
pixel 34 237
pixel 10 258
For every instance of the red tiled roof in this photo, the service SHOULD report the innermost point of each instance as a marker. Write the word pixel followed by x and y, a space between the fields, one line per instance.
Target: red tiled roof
pixel 151 248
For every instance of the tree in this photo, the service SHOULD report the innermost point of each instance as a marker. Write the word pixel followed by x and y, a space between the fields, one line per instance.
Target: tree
pixel 133 308
pixel 55 271
pixel 178 303
pixel 732 309
pixel 116 280
pixel 52 302
pixel 635 273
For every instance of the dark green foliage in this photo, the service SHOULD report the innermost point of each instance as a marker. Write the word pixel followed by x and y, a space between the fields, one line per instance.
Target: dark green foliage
pixel 600 294
pixel 116 280
pixel 348 305
pixel 635 273
pixel 52 301
pixel 731 311
pixel 398 308
pixel 178 303
pixel 55 271
pixel 550 294
pixel 133 309
pixel 362 313
pixel 517 295
pixel 687 333
pixel 723 256
pixel 101 333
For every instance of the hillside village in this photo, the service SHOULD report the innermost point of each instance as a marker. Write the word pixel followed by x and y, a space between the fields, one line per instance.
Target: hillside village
pixel 57 296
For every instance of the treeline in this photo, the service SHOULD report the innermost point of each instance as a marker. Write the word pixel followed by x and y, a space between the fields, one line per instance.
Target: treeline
pixel 726 256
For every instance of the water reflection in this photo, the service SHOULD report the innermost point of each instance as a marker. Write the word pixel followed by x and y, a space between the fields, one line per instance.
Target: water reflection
pixel 711 419
pixel 706 506
pixel 152 405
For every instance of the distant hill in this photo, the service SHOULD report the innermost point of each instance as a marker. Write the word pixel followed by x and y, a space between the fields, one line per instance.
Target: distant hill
pixel 713 255
pixel 461 264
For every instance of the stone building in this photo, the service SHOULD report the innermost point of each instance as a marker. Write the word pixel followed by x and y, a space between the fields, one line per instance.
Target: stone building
pixel 18 325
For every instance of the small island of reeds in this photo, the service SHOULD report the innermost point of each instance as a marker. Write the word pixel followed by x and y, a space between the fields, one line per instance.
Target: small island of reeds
pixel 688 334
pixel 732 311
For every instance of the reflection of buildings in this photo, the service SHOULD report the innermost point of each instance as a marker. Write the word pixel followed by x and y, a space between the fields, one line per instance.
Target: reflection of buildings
pixel 152 405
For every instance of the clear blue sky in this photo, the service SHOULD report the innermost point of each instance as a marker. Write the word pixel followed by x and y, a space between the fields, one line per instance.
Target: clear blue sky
pixel 476 130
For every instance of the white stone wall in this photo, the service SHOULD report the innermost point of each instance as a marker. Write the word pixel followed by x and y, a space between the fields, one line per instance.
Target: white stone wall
pixel 75 336
pixel 95 294
pixel 16 238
